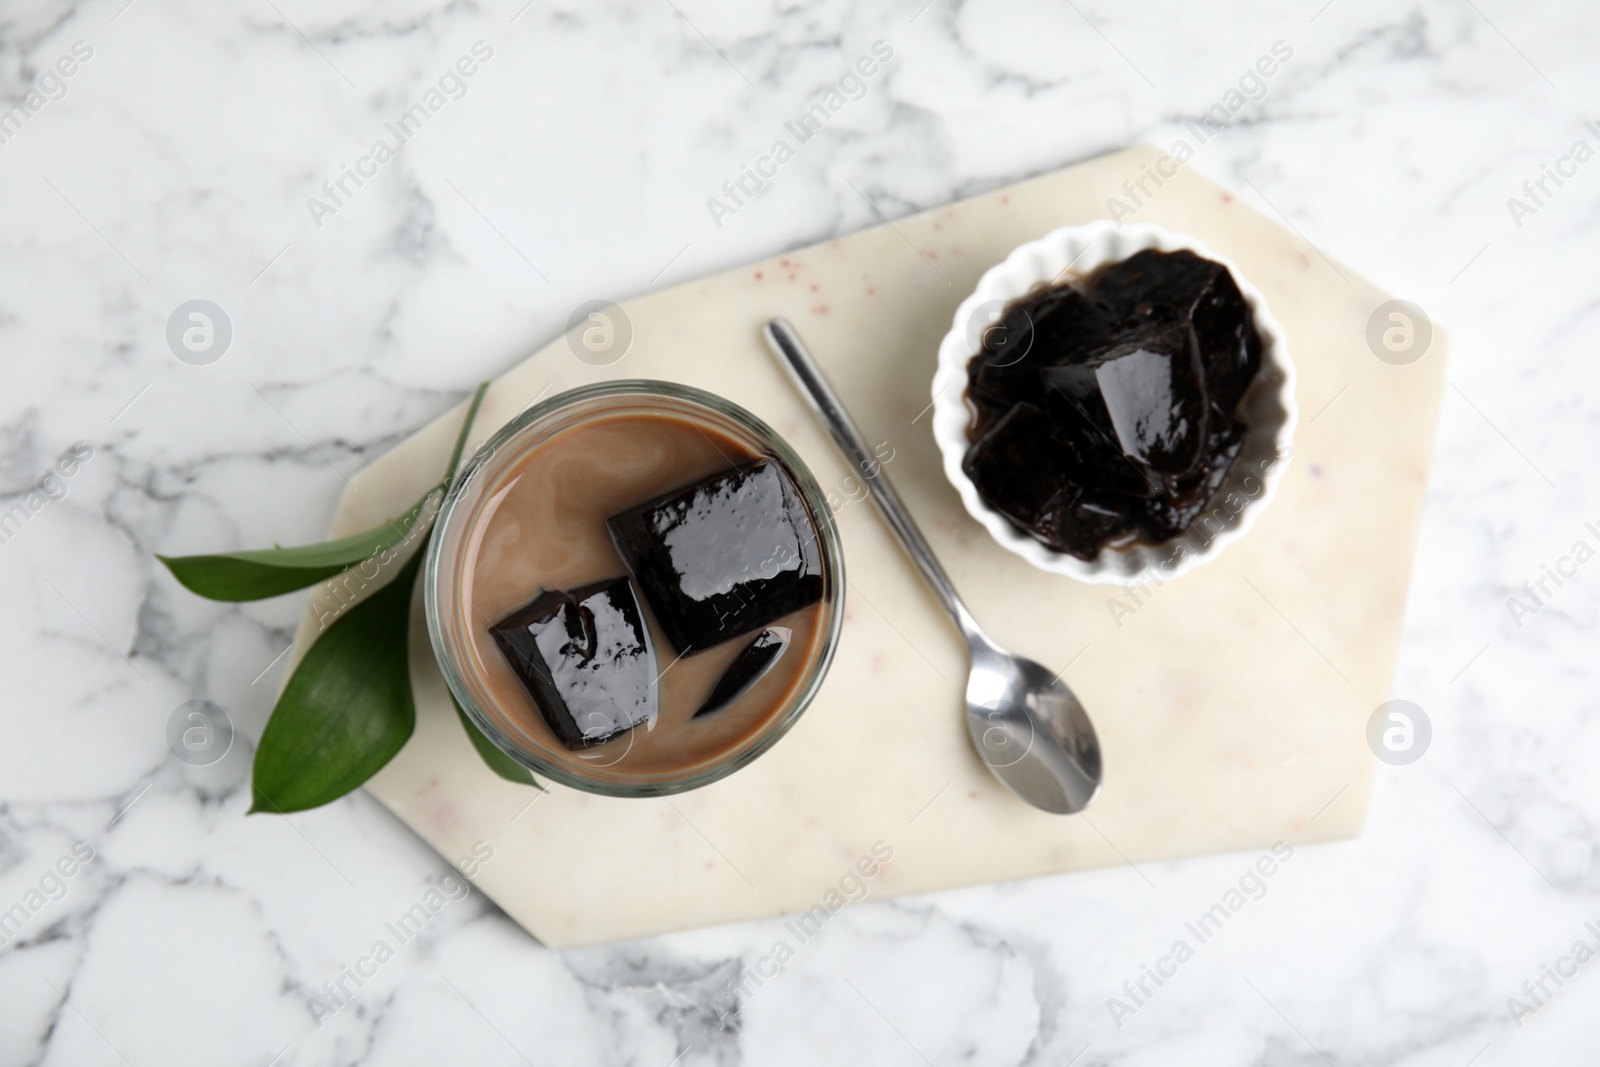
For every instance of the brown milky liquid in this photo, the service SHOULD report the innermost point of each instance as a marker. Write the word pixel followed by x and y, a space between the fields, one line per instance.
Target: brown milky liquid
pixel 543 526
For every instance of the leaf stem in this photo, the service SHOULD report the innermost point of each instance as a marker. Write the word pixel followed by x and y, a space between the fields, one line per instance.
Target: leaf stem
pixel 461 439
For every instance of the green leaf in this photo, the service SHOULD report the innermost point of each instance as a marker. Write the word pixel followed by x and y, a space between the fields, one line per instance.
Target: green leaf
pixel 347 708
pixel 269 572
pixel 498 761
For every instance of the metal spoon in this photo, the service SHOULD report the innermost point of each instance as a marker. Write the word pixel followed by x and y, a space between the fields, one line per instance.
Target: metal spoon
pixel 1022 719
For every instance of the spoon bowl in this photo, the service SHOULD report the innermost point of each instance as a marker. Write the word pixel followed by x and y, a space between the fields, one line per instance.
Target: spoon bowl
pixel 1025 724
pixel 1031 730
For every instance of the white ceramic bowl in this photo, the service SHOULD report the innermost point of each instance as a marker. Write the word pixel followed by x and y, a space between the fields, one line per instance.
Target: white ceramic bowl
pixel 1268 407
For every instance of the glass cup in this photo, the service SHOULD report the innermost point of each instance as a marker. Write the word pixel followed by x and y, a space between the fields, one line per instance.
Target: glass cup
pixel 453 631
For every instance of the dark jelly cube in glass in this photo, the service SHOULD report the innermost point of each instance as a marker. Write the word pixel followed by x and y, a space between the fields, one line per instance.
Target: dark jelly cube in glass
pixel 724 556
pixel 756 659
pixel 584 657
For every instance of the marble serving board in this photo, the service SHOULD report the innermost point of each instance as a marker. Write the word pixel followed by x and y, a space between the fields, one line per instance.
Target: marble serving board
pixel 1231 703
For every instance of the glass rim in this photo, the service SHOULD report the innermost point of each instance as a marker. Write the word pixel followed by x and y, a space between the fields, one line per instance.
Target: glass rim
pixel 770 441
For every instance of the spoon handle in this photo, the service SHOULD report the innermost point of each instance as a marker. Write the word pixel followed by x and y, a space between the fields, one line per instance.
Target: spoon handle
pixel 792 353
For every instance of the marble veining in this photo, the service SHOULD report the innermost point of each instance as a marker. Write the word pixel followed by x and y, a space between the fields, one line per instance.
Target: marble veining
pixel 176 164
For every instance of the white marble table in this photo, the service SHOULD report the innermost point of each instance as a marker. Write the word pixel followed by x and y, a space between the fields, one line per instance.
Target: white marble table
pixel 175 163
